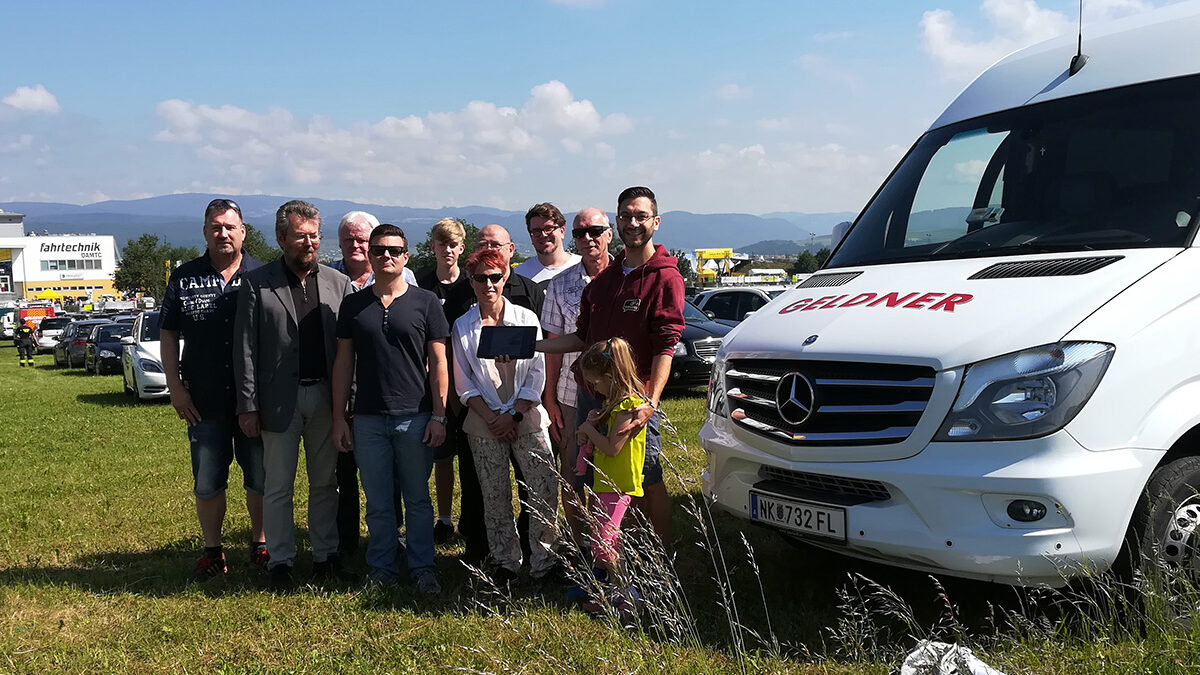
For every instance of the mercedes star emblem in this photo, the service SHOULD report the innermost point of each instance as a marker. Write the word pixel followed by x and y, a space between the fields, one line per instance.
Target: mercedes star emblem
pixel 795 398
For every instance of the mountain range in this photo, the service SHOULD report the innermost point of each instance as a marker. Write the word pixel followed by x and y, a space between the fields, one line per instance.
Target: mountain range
pixel 176 219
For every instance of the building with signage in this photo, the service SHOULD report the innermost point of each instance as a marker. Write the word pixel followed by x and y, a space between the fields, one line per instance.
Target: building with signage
pixel 74 265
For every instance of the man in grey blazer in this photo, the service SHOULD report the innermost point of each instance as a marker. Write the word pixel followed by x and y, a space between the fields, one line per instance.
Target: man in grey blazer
pixel 283 355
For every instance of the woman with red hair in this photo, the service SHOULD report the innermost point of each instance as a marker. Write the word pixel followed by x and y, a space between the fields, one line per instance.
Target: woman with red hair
pixel 505 419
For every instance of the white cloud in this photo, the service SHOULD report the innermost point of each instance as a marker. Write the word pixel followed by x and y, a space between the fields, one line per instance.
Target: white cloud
pixel 1014 24
pixel 35 99
pixel 775 124
pixel 481 142
pixel 763 177
pixel 731 91
pixel 969 171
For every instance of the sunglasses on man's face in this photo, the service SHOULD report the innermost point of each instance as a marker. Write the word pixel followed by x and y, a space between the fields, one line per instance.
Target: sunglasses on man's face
pixel 494 278
pixel 394 251
pixel 593 231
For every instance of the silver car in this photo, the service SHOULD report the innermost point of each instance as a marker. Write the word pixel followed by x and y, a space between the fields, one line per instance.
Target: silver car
pixel 141 360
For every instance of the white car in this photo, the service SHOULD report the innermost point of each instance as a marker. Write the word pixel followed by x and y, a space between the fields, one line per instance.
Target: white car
pixel 996 373
pixel 141 361
pixel 48 332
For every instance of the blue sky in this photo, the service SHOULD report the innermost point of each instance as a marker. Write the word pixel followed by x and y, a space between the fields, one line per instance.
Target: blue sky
pixel 777 106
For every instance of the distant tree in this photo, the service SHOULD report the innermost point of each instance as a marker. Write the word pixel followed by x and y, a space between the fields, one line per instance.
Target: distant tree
pixel 822 256
pixel 422 260
pixel 257 245
pixel 145 263
pixel 685 266
pixel 141 269
pixel 616 245
pixel 806 263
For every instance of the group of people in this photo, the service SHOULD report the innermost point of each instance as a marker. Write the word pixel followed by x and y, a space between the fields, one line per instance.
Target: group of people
pixel 378 373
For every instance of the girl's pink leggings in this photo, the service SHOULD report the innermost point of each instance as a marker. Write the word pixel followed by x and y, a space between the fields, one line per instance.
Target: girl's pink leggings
pixel 608 523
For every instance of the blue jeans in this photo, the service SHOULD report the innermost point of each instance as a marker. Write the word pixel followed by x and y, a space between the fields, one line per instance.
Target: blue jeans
pixel 392 458
pixel 215 442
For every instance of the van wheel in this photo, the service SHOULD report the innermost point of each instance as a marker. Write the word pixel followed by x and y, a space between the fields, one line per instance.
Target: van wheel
pixel 1164 534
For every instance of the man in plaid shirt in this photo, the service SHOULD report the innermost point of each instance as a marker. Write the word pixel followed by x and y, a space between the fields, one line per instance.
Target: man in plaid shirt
pixel 592 234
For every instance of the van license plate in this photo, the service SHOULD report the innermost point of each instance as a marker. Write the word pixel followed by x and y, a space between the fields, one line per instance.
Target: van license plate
pixel 804 517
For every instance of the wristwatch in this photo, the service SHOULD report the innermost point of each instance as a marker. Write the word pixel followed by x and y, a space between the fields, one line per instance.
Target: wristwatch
pixel 516 415
pixel 440 419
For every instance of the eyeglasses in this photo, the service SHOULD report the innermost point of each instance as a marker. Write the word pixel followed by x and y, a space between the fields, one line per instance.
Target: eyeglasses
pixel 393 251
pixel 492 244
pixel 494 278
pixel 639 218
pixel 227 203
pixel 547 231
pixel 593 231
pixel 301 237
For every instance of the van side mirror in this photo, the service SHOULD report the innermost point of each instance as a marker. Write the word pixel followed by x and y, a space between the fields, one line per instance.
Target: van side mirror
pixel 747 314
pixel 128 341
pixel 710 315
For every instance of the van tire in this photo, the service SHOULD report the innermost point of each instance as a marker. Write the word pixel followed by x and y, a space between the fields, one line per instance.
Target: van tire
pixel 1165 528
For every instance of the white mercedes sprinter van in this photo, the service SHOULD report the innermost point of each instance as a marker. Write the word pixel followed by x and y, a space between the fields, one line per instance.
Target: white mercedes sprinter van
pixel 997 373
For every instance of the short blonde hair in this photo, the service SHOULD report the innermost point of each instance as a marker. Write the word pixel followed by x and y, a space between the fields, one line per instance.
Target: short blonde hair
pixel 448 231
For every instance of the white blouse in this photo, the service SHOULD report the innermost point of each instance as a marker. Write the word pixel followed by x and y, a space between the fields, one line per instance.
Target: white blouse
pixel 473 376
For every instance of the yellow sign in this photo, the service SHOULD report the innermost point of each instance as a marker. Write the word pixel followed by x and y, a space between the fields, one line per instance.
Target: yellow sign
pixel 714 253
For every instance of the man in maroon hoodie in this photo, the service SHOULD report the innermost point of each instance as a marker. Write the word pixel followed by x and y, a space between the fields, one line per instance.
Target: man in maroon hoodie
pixel 639 298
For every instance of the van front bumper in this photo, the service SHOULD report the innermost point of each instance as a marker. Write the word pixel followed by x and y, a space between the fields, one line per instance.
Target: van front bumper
pixel 944 509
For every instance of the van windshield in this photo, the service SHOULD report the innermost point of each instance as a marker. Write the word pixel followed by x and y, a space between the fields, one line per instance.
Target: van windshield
pixel 1110 170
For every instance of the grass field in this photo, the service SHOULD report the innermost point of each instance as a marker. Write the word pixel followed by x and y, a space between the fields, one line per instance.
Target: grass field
pixel 98 534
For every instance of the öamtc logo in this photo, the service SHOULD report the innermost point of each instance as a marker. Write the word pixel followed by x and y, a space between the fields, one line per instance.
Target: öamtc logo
pixel 935 301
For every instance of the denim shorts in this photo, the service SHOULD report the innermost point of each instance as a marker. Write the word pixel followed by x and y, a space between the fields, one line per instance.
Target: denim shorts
pixel 652 472
pixel 215 443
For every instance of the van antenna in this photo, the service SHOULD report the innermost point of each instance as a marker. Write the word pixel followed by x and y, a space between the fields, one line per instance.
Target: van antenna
pixel 1080 59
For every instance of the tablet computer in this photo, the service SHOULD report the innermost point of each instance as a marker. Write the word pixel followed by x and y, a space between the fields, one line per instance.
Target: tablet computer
pixel 511 341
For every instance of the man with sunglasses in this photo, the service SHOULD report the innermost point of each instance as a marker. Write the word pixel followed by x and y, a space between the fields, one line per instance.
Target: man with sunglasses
pixel 546 226
pixel 639 298
pixel 592 234
pixel 198 309
pixel 392 345
pixel 283 356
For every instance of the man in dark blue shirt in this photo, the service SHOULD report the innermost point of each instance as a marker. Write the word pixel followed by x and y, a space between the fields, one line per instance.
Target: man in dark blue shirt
pixel 198 309
pixel 392 345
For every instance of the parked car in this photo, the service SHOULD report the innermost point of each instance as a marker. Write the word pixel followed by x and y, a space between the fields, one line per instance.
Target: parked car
pixel 72 343
pixel 696 349
pixel 48 332
pixel 141 360
pixel 730 306
pixel 103 353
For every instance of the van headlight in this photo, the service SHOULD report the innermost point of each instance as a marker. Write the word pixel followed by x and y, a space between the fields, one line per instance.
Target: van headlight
pixel 106 354
pixel 680 349
pixel 1026 394
pixel 716 387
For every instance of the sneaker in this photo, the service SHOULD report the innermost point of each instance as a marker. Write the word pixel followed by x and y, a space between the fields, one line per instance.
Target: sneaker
pixel 207 568
pixel 427 582
pixel 443 533
pixel 259 555
pixel 280 579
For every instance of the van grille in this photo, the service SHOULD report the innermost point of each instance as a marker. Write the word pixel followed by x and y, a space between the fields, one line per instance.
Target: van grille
pixel 852 403
pixel 707 348
pixel 823 484
pixel 1045 268
pixel 828 280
